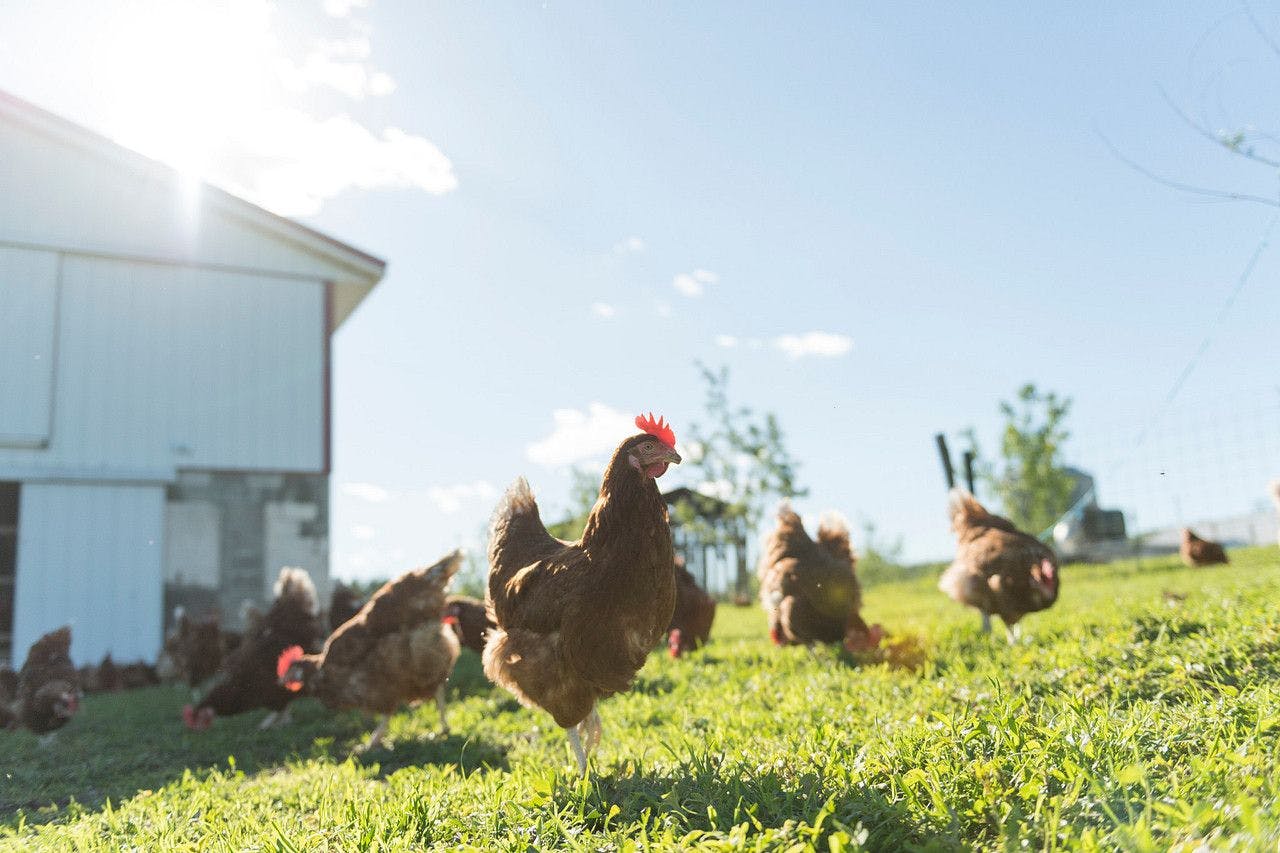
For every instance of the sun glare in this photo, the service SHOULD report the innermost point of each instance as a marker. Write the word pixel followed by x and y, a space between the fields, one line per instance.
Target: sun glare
pixel 185 76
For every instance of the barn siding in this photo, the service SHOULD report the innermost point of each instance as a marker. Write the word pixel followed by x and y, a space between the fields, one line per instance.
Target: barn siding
pixel 28 312
pixel 90 556
pixel 162 367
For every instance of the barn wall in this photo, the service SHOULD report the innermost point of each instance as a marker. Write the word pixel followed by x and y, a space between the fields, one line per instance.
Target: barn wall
pixel 81 199
pixel 90 556
pixel 162 367
pixel 28 302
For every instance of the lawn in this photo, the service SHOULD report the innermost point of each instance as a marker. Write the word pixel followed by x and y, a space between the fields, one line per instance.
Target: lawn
pixel 1125 719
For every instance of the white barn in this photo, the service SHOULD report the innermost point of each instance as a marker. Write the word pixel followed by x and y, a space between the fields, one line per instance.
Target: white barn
pixel 164 391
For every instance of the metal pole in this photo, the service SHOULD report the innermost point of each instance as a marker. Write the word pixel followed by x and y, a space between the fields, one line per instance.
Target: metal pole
pixel 946 460
pixel 969 458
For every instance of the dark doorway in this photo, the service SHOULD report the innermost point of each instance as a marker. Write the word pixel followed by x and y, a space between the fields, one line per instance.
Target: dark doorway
pixel 8 564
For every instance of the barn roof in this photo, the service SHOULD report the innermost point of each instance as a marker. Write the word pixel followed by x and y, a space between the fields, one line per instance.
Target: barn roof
pixel 227 221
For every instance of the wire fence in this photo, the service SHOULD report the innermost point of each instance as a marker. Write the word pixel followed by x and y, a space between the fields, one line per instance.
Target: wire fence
pixel 1204 464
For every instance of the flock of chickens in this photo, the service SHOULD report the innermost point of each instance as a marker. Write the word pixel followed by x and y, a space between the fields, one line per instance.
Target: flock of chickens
pixel 564 624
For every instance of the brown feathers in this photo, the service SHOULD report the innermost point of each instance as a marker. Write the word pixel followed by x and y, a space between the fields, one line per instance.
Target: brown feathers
pixel 575 622
pixel 1199 552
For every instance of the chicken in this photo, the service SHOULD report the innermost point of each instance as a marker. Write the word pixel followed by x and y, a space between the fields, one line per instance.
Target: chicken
pixel 470 621
pixel 344 603
pixel 810 588
pixel 103 678
pixel 575 621
pixel 395 650
pixel 248 679
pixel 8 696
pixel 138 674
pixel 193 649
pixel 695 611
pixel 1199 552
pixel 47 692
pixel 998 569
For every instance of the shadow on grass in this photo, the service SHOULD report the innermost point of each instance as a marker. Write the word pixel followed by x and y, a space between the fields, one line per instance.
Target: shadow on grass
pixel 123 743
pixel 467 752
pixel 702 794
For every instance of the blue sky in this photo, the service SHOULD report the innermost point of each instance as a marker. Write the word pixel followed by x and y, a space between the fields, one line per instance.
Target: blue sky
pixel 895 215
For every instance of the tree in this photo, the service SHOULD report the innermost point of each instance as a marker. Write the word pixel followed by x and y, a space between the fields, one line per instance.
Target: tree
pixel 584 488
pixel 1033 486
pixel 741 459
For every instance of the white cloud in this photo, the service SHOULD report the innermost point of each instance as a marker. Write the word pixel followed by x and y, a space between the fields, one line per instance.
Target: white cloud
pixel 366 492
pixel 292 162
pixel 213 90
pixel 726 341
pixel 449 499
pixel 604 310
pixel 693 284
pixel 580 436
pixel 629 246
pixel 720 489
pixel 823 344
pixel 342 8
pixel 363 532
pixel 662 307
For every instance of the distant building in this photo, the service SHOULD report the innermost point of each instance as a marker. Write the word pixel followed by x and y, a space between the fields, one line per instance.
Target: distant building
pixel 164 391
pixel 714 549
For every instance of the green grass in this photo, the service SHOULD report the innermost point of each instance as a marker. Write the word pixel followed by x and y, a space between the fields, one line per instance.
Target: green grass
pixel 1122 721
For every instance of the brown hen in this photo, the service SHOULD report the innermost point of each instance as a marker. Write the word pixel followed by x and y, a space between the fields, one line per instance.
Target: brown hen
pixel 395 650
pixel 810 588
pixel 469 620
pixel 46 692
pixel 1199 552
pixel 576 621
pixel 695 611
pixel 998 569
pixel 249 679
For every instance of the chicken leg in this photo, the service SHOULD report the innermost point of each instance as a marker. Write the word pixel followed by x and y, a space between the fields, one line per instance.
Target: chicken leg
pixel 575 743
pixel 444 722
pixel 591 730
pixel 375 737
pixel 1013 634
pixel 986 622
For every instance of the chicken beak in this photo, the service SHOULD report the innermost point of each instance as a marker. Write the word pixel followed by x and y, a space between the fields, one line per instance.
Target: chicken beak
pixel 671 456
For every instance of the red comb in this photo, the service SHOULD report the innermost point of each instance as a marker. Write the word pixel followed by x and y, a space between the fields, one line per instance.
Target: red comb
pixel 659 429
pixel 286 659
pixel 450 620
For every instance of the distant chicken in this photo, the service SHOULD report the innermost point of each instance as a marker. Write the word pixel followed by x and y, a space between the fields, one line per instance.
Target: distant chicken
pixel 249 679
pixel 1199 552
pixel 810 588
pixel 396 650
pixel 695 611
pixel 470 621
pixel 8 696
pixel 46 691
pixel 998 569
pixel 576 621
pixel 344 602
pixel 193 649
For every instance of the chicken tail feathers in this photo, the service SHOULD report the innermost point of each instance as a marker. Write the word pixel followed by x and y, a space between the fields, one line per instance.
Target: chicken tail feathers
pixel 439 574
pixel 294 585
pixel 833 534
pixel 517 535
